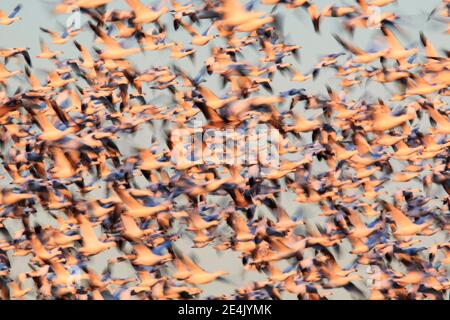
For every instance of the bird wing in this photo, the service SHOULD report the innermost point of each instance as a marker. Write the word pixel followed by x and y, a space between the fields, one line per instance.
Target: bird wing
pixel 84 53
pixel 127 198
pixel 437 116
pixel 392 40
pixel 331 265
pixel 398 216
pixel 233 6
pixel 363 5
pixel 43 45
pixel 15 11
pixel 279 245
pixel 283 215
pixel 137 6
pixel 86 230
pixel 60 158
pixel 239 224
pixel 196 218
pixel 192 265
pixel 189 28
pixel 107 40
pixel 2 68
pixel 52 33
pixel 207 94
pixel 430 51
pixel 356 220
pixel 42 121
pixel 143 251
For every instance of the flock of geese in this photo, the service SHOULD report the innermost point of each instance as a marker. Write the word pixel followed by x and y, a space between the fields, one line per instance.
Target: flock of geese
pixel 60 154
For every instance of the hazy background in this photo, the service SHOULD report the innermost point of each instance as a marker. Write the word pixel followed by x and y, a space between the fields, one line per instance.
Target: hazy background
pixel 298 30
